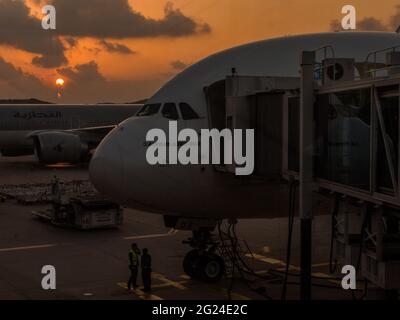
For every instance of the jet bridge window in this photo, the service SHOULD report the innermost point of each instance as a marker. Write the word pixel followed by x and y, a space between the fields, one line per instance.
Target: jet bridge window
pixel 149 110
pixel 170 112
pixel 187 112
pixel 343 125
pixel 389 106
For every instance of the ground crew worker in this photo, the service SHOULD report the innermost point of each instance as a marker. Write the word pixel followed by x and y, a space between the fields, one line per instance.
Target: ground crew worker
pixel 146 270
pixel 134 254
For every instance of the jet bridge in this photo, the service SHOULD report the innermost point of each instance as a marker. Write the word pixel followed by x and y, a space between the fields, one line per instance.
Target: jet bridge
pixel 356 134
pixel 246 102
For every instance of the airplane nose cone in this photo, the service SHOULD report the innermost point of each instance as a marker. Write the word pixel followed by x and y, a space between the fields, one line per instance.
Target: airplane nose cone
pixel 105 170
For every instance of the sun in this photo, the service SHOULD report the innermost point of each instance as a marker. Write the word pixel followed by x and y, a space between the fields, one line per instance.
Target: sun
pixel 60 82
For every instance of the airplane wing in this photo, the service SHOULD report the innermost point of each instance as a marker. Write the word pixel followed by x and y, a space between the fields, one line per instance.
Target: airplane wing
pixel 102 130
pixel 91 135
pixel 91 129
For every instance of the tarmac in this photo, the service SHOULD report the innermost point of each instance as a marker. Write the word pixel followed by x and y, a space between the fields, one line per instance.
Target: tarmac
pixel 94 264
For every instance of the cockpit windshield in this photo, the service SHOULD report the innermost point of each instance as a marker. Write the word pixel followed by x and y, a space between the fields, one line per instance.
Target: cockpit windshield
pixel 187 112
pixel 149 110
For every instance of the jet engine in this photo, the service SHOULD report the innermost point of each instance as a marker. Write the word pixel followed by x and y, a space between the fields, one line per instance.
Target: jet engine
pixel 53 147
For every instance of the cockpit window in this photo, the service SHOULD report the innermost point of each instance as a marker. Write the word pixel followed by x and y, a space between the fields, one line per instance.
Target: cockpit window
pixel 170 112
pixel 149 110
pixel 187 112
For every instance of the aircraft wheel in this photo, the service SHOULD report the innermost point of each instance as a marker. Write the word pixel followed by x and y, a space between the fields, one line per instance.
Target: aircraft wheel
pixel 190 263
pixel 211 267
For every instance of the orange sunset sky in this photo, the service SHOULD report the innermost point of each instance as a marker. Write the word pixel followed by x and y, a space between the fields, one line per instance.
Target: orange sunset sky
pixel 123 50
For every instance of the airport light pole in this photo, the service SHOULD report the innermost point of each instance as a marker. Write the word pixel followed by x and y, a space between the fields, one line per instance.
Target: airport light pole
pixel 306 170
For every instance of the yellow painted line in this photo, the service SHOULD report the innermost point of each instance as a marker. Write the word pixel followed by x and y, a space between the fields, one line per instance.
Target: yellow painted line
pixel 280 262
pixel 28 248
pixel 273 261
pixel 291 268
pixel 166 285
pixel 161 285
pixel 171 283
pixel 262 271
pixel 142 295
pixel 324 275
pixel 321 275
pixel 264 259
pixel 173 232
pixel 267 249
pixel 297 269
pixel 323 264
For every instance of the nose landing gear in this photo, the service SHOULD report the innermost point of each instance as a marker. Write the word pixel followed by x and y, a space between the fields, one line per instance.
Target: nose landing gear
pixel 202 262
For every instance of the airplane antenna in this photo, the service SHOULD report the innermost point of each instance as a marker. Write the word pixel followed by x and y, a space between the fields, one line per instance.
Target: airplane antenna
pixel 234 72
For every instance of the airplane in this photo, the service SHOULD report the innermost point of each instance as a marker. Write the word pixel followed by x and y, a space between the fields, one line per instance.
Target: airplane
pixel 58 133
pixel 196 197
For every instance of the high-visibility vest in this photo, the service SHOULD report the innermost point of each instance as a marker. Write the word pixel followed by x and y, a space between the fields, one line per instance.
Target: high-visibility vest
pixel 135 258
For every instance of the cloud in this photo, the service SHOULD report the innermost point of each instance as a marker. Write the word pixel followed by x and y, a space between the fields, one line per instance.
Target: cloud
pixel 116 47
pixel 373 24
pixel 72 42
pixel 86 84
pixel 335 25
pixel 394 21
pixel 20 30
pixel 93 50
pixel 366 24
pixel 83 72
pixel 178 65
pixel 117 19
pixel 21 84
pixel 90 18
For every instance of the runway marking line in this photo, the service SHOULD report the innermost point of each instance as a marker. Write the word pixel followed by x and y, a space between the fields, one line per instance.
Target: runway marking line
pixel 166 285
pixel 172 232
pixel 324 275
pixel 267 249
pixel 262 271
pixel 28 247
pixel 264 258
pixel 142 295
pixel 171 283
pixel 276 261
pixel 273 261
pixel 291 268
pixel 150 236
pixel 323 264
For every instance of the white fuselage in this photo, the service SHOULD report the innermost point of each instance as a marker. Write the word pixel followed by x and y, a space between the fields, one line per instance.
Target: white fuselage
pixel 18 122
pixel 119 168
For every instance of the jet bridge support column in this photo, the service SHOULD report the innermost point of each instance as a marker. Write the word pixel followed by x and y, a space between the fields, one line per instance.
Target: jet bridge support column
pixel 306 170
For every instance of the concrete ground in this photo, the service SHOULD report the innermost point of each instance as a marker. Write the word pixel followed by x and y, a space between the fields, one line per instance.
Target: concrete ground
pixel 93 264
